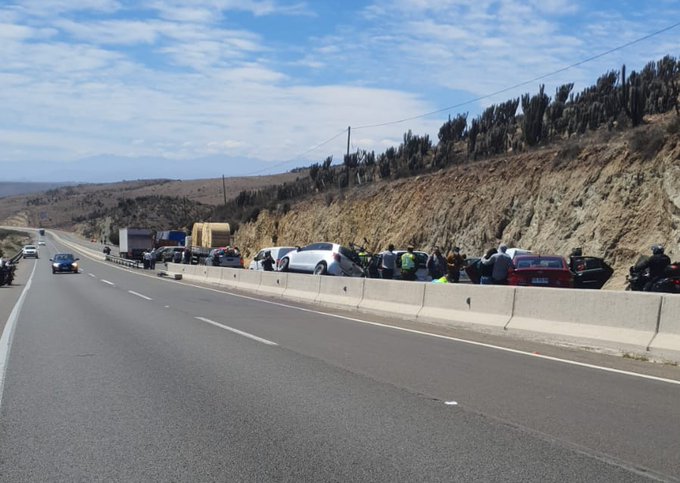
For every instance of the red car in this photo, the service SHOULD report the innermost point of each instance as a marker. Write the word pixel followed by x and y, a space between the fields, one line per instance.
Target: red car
pixel 540 271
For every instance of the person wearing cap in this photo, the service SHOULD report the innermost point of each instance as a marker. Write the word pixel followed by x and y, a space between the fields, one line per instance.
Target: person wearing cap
pixel 455 261
pixel 501 262
pixel 408 264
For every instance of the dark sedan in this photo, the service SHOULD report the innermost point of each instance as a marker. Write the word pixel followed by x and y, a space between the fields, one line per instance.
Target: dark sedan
pixel 64 262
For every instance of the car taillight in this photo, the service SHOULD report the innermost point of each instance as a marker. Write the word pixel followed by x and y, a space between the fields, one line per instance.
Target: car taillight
pixel 336 257
pixel 676 281
pixel 241 262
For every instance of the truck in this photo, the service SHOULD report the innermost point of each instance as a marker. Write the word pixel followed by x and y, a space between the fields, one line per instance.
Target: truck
pixel 210 245
pixel 133 242
pixel 170 238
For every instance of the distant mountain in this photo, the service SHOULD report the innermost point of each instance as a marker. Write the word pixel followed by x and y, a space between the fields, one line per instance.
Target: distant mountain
pixel 110 169
pixel 24 188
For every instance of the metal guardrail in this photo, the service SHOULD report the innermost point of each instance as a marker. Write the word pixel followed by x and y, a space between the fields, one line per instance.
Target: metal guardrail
pixel 124 261
pixel 16 257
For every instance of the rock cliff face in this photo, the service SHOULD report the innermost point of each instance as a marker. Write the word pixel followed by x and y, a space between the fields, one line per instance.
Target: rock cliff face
pixel 613 194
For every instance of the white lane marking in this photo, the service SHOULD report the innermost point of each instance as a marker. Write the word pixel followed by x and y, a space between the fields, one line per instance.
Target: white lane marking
pixel 140 295
pixel 167 306
pixel 438 336
pixel 444 337
pixel 92 275
pixel 8 333
pixel 109 283
pixel 236 331
pixel 451 403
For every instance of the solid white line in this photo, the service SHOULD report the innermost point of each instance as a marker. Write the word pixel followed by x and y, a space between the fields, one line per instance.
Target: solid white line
pixel 109 283
pixel 140 295
pixel 8 333
pixel 92 275
pixel 446 337
pixel 428 334
pixel 236 331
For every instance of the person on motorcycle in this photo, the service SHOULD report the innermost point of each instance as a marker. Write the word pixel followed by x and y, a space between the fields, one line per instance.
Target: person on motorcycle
pixel 656 264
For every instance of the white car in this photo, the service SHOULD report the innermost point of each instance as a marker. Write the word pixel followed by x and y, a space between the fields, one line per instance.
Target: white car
pixel 29 251
pixel 277 254
pixel 41 242
pixel 322 259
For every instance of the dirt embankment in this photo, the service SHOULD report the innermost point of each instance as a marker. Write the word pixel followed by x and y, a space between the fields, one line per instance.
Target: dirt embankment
pixel 614 195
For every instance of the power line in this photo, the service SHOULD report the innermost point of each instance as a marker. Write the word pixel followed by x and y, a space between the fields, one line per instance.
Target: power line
pixel 520 84
pixel 296 158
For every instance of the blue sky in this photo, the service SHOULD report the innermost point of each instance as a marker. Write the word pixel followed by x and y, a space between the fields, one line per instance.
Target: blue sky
pixel 248 86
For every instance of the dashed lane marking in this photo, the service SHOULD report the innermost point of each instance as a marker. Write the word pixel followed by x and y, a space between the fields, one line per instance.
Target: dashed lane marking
pixel 236 331
pixel 108 283
pixel 139 295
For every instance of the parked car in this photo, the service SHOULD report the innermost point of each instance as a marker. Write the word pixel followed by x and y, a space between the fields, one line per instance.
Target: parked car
pixel 590 272
pixel 224 257
pixel 166 254
pixel 540 271
pixel 422 273
pixel 29 251
pixel 277 254
pixel 64 262
pixel 322 259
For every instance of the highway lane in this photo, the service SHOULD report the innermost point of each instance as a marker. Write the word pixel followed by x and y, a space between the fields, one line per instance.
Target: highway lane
pixel 112 375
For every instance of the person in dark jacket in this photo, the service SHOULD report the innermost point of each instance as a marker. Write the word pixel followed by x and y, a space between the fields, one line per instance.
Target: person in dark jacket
pixel 268 262
pixel 656 264
pixel 486 270
pixel 436 264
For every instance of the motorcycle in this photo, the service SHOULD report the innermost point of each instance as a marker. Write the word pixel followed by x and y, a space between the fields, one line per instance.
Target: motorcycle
pixel 670 282
pixel 7 274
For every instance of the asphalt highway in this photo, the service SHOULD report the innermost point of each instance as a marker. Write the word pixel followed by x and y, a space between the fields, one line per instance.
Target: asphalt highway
pixel 118 375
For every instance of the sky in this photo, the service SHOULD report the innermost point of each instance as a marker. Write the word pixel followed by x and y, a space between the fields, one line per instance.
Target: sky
pixel 104 90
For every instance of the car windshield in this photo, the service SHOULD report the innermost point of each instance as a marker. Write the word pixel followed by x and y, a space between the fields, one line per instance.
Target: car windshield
pixel 30 247
pixel 63 257
pixel 539 262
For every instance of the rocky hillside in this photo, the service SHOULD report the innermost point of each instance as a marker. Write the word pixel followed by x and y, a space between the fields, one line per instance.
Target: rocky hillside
pixel 612 193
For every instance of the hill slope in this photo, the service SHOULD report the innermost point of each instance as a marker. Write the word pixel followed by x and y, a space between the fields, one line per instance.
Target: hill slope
pixel 614 195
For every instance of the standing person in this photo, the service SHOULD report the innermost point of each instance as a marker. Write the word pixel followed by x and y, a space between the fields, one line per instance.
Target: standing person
pixel 152 259
pixel 501 262
pixel 187 256
pixel 145 259
pixel 436 264
pixel 486 271
pixel 388 262
pixel 455 263
pixel 177 256
pixel 268 262
pixel 408 264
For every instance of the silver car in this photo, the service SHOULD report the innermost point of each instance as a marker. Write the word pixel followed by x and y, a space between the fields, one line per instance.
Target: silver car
pixel 277 254
pixel 323 259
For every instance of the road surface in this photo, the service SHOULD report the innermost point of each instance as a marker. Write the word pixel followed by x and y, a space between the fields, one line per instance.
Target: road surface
pixel 115 374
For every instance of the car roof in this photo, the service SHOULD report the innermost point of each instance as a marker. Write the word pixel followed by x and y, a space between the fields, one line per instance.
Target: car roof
pixel 64 255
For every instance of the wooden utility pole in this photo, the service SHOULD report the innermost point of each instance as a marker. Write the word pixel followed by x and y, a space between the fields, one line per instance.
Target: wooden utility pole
pixel 349 132
pixel 224 191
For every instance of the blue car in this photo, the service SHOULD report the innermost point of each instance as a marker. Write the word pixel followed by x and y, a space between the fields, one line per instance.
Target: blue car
pixel 64 262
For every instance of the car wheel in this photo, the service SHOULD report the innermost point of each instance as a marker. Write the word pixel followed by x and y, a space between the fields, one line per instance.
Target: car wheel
pixel 53 272
pixel 284 265
pixel 321 269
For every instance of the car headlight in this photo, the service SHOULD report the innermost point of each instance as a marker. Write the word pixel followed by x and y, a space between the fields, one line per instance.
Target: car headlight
pixel 74 265
pixel 55 265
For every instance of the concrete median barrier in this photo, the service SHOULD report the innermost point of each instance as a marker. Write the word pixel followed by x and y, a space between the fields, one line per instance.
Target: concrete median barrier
pixel 302 288
pixel 213 275
pixel 464 304
pixel 621 321
pixel 393 297
pixel 230 277
pixel 667 341
pixel 249 280
pixel 273 283
pixel 342 292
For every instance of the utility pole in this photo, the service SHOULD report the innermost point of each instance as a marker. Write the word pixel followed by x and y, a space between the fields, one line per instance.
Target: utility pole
pixel 349 132
pixel 224 191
